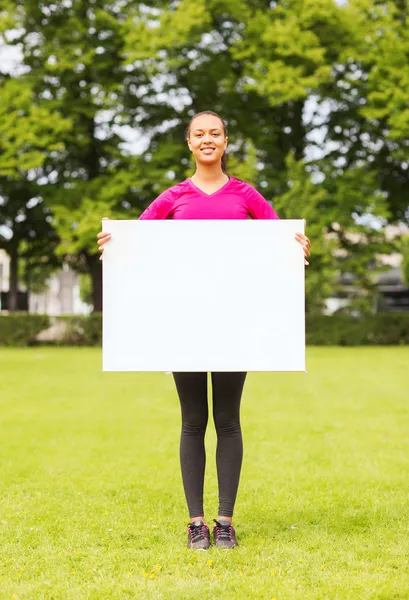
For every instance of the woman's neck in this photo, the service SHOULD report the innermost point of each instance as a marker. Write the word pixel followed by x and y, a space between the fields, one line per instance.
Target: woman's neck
pixel 209 173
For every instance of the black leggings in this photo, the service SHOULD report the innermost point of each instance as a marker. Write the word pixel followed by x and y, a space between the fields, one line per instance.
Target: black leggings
pixel 227 391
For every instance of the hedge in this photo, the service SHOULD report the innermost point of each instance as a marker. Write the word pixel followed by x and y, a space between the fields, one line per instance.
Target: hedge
pixel 21 329
pixel 381 329
pixel 81 330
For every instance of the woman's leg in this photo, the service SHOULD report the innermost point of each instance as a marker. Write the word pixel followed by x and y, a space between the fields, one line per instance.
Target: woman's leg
pixel 192 391
pixel 227 392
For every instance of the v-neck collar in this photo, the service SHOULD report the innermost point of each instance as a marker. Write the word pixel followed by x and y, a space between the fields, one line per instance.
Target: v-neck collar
pixel 197 189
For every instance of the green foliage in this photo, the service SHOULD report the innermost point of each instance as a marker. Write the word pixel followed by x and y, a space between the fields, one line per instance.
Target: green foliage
pixel 284 56
pixel 385 52
pixel 29 132
pixel 382 329
pixel 246 167
pixel 21 329
pixel 369 118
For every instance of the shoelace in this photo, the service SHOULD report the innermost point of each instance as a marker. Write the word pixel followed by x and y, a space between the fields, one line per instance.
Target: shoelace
pixel 223 532
pixel 197 532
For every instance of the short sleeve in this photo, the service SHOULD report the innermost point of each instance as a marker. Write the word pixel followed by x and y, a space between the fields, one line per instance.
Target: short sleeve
pixel 159 209
pixel 257 205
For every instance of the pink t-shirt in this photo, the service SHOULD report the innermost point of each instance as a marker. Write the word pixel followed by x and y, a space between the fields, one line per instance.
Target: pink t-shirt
pixel 235 200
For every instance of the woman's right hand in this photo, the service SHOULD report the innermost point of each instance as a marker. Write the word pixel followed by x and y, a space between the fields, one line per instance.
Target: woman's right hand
pixel 103 238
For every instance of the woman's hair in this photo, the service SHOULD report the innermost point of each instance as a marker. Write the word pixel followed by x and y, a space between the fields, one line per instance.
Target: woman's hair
pixel 210 112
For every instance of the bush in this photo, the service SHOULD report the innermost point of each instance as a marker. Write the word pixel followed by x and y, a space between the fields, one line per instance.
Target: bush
pixel 382 329
pixel 21 329
pixel 81 330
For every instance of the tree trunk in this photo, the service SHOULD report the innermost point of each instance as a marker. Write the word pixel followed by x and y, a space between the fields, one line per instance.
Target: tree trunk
pixel 13 280
pixel 95 270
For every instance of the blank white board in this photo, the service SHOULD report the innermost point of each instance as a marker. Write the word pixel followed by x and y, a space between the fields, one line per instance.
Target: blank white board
pixel 203 296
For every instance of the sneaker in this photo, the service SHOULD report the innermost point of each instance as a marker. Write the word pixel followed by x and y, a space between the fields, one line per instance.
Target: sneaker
pixel 198 536
pixel 224 534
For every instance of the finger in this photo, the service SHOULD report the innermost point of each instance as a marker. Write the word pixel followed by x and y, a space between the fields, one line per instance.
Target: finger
pixel 103 240
pixel 103 234
pixel 306 263
pixel 304 243
pixel 105 219
pixel 301 236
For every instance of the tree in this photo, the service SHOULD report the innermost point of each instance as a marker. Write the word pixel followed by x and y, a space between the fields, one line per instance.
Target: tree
pixel 28 133
pixel 368 124
pixel 76 64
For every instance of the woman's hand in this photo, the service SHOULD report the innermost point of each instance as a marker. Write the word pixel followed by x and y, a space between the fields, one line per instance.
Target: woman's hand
pixel 305 243
pixel 103 238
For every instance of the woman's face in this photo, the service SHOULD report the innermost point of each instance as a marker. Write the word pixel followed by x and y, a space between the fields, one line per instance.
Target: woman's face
pixel 206 140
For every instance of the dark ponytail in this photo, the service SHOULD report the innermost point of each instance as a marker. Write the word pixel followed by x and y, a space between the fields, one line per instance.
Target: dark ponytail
pixel 224 164
pixel 210 112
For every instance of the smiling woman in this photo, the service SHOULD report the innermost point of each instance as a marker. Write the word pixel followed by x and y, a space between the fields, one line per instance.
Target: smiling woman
pixel 210 194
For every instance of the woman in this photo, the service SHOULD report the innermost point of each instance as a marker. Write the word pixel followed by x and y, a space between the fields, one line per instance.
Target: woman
pixel 210 194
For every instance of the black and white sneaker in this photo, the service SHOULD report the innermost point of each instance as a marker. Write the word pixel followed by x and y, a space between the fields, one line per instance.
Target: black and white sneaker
pixel 224 534
pixel 198 536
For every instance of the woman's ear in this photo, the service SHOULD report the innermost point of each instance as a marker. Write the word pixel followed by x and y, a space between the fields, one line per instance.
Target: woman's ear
pixel 226 141
pixel 189 145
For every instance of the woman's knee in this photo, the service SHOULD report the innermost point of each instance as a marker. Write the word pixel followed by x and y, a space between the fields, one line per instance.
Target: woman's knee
pixel 194 424
pixel 226 424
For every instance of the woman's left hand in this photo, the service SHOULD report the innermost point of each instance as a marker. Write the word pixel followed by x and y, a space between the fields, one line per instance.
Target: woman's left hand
pixel 305 243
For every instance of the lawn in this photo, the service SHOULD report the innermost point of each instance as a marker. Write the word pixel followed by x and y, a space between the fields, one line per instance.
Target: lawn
pixel 92 507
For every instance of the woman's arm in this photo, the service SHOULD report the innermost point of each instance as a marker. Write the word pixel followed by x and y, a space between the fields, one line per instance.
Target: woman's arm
pixel 257 205
pixel 160 209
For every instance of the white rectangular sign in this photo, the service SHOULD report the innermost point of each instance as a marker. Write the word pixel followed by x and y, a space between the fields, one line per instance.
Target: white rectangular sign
pixel 203 296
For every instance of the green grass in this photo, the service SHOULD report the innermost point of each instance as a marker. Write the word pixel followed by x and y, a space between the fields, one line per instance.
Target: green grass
pixel 91 503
